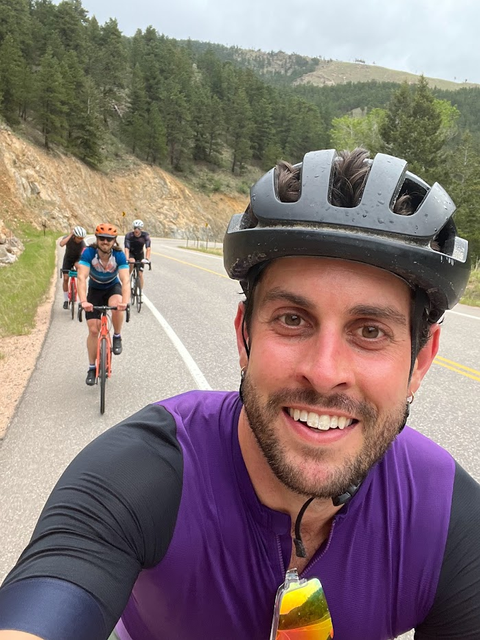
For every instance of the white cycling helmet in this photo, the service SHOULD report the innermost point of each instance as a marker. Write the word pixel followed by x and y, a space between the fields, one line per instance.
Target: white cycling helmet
pixel 137 224
pixel 79 232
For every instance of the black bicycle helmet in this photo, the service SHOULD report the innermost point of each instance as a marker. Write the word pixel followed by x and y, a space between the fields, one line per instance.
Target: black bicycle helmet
pixel 423 247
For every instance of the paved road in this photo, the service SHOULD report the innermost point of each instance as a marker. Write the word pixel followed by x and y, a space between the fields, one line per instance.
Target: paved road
pixel 191 299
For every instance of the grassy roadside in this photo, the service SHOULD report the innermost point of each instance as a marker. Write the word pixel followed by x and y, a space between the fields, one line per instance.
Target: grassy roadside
pixel 472 292
pixel 216 251
pixel 23 285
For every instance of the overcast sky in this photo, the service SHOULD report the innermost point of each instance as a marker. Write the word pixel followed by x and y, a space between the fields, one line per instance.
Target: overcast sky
pixel 436 37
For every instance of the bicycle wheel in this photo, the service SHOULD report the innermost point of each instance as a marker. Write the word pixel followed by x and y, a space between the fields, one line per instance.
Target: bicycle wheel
pixel 133 287
pixel 102 373
pixel 72 296
pixel 138 295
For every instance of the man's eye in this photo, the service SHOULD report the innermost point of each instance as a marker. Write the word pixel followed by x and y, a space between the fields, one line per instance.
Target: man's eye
pixel 371 332
pixel 291 320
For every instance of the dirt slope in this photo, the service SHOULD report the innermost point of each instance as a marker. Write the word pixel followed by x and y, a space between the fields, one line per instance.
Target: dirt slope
pixel 38 186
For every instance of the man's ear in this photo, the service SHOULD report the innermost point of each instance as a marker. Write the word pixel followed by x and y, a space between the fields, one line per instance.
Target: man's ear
pixel 425 358
pixel 241 332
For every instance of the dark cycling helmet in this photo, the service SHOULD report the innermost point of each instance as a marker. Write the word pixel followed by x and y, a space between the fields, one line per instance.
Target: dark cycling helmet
pixel 423 247
pixel 107 230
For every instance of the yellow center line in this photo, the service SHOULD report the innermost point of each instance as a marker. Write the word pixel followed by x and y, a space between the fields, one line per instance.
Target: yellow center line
pixel 190 264
pixel 457 368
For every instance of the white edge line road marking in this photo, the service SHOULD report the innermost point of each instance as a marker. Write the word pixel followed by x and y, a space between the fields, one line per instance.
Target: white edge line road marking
pixel 465 315
pixel 192 366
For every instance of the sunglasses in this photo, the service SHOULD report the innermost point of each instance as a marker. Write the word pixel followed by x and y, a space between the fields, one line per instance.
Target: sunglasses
pixel 105 239
pixel 301 610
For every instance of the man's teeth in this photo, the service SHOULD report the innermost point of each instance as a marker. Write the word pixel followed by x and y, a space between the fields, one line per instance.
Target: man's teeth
pixel 322 422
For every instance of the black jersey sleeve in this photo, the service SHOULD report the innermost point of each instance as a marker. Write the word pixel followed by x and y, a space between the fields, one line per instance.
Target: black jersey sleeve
pixel 111 514
pixel 455 613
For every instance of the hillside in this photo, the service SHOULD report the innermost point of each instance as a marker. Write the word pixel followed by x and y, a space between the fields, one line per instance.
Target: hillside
pixel 333 72
pixel 59 190
pixel 294 69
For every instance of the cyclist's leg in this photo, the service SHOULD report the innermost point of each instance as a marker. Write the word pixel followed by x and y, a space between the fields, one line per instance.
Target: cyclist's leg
pixel 115 298
pixel 140 270
pixel 96 297
pixel 66 266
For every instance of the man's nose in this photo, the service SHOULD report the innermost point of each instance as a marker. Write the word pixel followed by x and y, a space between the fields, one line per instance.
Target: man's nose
pixel 328 362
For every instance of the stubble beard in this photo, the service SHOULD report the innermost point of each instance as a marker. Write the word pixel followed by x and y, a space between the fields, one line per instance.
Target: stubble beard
pixel 263 418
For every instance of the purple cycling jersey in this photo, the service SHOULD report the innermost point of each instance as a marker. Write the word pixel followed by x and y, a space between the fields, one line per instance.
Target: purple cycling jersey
pixel 229 553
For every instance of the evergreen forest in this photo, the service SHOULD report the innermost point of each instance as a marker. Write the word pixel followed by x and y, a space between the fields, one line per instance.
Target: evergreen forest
pixel 88 89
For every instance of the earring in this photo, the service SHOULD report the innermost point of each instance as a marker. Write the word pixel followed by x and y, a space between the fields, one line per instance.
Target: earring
pixel 409 401
pixel 242 378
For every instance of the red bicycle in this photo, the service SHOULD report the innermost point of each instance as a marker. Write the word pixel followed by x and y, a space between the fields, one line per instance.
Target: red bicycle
pixel 72 289
pixel 104 348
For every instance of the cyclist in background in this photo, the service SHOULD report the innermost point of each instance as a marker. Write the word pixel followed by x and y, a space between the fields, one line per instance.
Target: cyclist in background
pixel 137 243
pixel 74 244
pixel 181 521
pixel 106 265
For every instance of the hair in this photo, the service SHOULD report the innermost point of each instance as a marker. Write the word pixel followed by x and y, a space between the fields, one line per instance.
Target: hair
pixel 350 175
pixel 116 246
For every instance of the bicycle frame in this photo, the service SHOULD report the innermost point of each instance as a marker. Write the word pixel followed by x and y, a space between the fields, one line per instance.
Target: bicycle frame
pixel 135 286
pixel 103 368
pixel 72 285
pixel 104 334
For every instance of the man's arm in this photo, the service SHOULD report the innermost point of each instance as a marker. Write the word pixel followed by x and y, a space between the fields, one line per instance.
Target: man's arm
pixel 62 243
pixel 123 274
pixel 82 275
pixel 148 247
pixel 111 514
pixel 455 613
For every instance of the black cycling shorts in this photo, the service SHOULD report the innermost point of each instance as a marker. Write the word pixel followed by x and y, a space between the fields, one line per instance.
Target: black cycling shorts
pixel 100 297
pixel 69 263
pixel 137 257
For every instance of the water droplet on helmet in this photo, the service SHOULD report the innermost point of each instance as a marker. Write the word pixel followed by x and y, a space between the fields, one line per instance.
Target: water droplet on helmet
pixel 381 221
pixel 381 202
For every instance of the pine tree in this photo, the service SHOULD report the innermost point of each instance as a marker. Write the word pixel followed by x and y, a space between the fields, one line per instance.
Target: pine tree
pixel 111 68
pixel 176 115
pixel 86 136
pixel 50 100
pixel 414 128
pixel 70 21
pixel 157 137
pixel 240 130
pixel 463 185
pixel 134 122
pixel 307 131
pixel 12 66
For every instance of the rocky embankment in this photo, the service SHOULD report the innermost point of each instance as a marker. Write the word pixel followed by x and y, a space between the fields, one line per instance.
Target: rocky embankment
pixel 59 191
pixel 10 246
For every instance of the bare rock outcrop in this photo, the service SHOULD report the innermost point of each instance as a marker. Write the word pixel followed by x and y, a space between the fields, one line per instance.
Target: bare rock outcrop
pixel 10 246
pixel 60 192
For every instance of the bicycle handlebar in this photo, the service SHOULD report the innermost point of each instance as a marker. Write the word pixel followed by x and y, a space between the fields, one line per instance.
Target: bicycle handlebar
pixel 139 263
pixel 103 309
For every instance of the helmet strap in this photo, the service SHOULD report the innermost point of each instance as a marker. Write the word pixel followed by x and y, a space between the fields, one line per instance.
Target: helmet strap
pixel 420 305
